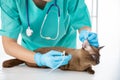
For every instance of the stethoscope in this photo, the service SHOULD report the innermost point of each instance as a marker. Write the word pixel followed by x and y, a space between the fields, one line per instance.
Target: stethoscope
pixel 29 31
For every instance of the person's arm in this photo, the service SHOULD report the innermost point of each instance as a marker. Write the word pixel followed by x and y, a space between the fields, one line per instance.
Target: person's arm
pixel 12 48
pixel 51 59
pixel 85 28
pixel 80 20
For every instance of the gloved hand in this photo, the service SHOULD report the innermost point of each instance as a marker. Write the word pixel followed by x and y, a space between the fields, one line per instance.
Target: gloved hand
pixel 90 36
pixel 51 59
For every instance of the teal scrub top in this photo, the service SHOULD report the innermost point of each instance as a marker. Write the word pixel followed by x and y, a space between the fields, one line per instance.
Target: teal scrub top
pixel 74 15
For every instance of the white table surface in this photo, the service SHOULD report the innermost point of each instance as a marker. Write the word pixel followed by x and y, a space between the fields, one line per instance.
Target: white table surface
pixel 23 72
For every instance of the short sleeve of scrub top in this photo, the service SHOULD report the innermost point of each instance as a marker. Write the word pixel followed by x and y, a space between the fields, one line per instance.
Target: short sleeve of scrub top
pixel 79 14
pixel 10 19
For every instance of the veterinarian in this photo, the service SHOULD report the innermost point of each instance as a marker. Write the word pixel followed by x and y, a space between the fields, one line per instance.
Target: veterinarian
pixel 44 23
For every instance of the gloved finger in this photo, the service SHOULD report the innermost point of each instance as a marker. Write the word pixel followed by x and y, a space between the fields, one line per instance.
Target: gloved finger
pixel 59 63
pixel 86 35
pixel 82 39
pixel 83 36
pixel 94 44
pixel 55 53
pixel 92 36
pixel 57 58
pixel 93 41
pixel 66 59
pixel 60 58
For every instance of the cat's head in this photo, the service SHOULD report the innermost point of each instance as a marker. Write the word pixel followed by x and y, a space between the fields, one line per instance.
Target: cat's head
pixel 91 54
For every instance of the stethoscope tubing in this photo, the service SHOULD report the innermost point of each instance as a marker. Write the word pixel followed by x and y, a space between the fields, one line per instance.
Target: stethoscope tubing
pixel 41 29
pixel 27 12
pixel 55 4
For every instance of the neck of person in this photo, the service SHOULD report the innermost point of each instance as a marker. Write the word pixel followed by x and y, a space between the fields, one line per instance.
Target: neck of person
pixel 40 3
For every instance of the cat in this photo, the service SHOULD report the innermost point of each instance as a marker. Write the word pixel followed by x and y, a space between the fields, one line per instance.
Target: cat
pixel 82 59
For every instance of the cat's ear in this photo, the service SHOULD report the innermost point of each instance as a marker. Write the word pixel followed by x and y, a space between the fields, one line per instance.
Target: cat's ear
pixel 99 48
pixel 85 44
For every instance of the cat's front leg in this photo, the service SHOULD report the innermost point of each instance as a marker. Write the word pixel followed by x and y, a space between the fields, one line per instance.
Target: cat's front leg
pixel 90 70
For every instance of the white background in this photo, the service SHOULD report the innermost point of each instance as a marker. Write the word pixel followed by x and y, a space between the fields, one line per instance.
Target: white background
pixel 108 34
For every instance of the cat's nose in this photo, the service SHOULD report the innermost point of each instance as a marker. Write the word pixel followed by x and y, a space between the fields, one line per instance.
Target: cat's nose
pixel 97 61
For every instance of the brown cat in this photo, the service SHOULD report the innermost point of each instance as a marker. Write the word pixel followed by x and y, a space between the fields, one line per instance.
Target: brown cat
pixel 82 59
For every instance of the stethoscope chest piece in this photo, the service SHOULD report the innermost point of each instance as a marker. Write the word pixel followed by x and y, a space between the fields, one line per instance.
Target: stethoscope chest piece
pixel 29 32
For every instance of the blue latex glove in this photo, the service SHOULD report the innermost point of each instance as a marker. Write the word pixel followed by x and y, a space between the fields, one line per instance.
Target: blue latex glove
pixel 51 59
pixel 90 36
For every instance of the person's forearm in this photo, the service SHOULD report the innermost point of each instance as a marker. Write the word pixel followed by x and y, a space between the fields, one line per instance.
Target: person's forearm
pixel 84 28
pixel 12 48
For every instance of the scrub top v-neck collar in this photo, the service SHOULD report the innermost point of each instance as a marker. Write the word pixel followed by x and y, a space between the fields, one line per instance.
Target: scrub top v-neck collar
pixel 39 9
